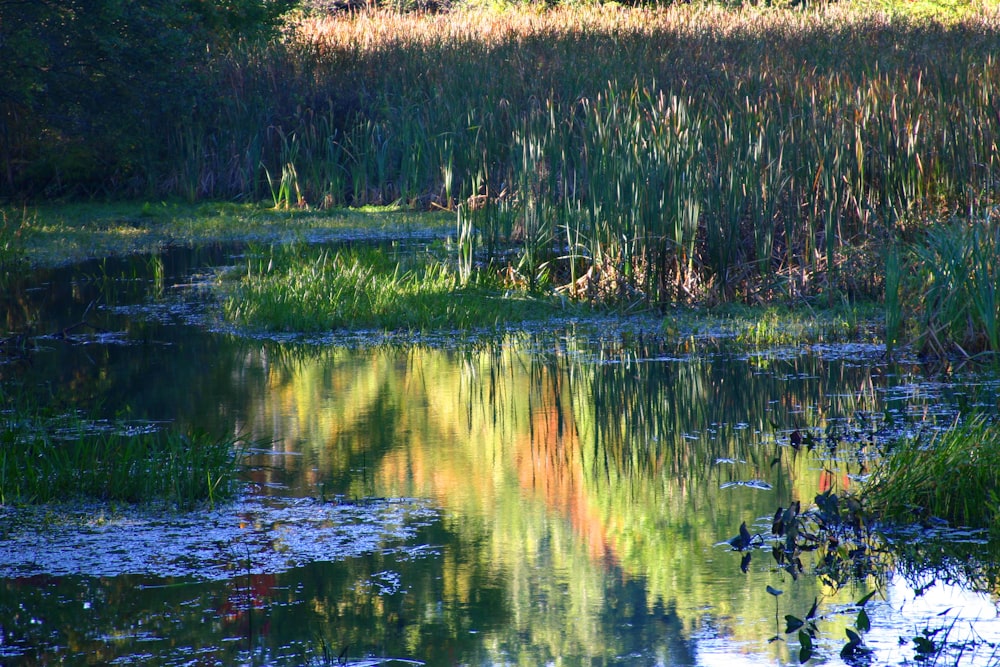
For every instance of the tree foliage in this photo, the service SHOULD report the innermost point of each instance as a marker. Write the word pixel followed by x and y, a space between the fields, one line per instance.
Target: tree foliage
pixel 90 87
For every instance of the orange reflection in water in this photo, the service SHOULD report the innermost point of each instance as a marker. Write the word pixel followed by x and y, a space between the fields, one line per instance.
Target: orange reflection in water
pixel 549 466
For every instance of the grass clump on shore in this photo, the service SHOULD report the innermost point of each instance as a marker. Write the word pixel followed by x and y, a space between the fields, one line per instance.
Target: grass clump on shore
pixel 943 290
pixel 68 459
pixel 307 289
pixel 59 233
pixel 954 475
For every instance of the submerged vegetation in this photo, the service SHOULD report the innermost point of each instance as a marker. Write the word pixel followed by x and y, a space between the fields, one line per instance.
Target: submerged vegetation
pixel 50 459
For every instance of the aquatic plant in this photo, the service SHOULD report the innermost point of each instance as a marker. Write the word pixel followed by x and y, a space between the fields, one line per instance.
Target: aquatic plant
pixel 307 289
pixel 950 475
pixel 45 459
pixel 955 288
pixel 661 183
pixel 675 153
pixel 13 258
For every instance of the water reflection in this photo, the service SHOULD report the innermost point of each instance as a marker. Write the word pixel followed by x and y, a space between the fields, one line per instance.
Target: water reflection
pixel 582 486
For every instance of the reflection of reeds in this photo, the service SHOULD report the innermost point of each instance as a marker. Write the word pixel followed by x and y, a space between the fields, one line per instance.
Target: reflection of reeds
pixel 893 305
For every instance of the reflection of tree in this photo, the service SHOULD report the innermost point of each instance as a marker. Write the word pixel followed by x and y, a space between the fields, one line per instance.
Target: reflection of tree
pixel 571 476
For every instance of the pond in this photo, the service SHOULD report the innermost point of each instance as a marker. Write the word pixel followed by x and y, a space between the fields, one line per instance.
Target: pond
pixel 557 495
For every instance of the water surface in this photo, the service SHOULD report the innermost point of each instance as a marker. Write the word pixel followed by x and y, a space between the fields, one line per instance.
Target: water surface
pixel 561 495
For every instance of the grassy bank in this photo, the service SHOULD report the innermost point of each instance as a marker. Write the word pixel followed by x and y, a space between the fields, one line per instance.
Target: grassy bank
pixel 57 234
pixel 318 290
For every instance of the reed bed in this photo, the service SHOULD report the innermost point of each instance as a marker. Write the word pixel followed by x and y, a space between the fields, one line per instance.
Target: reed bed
pixel 687 153
pixel 674 154
pixel 948 303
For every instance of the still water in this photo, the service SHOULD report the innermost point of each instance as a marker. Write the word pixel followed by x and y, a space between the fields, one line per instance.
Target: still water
pixel 547 497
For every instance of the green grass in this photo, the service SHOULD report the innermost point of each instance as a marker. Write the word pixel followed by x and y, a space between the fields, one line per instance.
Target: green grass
pixel 768 326
pixel 55 234
pixel 307 289
pixel 952 475
pixel 47 459
pixel 13 257
pixel 948 299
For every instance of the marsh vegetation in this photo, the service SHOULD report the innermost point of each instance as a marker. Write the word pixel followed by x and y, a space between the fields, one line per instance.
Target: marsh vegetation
pixel 797 204
pixel 689 154
pixel 47 457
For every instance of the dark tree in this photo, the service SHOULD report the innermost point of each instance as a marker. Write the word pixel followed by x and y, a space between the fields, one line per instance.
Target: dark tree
pixel 90 88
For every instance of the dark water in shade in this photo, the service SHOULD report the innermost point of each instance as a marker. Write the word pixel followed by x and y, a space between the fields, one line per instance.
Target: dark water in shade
pixel 557 496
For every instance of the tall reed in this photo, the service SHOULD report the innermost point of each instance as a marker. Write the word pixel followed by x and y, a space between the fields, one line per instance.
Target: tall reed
pixel 956 284
pixel 674 153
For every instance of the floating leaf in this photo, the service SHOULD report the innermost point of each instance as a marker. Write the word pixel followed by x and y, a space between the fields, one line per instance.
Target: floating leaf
pixel 863 601
pixel 809 440
pixel 745 562
pixel 863 623
pixel 751 483
pixel 853 646
pixel 741 541
pixel 774 591
pixel 777 525
pixel 805 646
pixel 924 646
pixel 792 623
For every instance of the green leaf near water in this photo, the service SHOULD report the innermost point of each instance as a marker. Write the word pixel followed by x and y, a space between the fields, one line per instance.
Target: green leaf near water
pixel 853 646
pixel 805 646
pixel 863 601
pixel 924 646
pixel 863 623
pixel 792 623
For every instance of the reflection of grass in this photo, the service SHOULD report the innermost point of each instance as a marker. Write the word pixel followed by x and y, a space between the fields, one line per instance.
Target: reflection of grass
pixel 307 289
pixel 69 459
